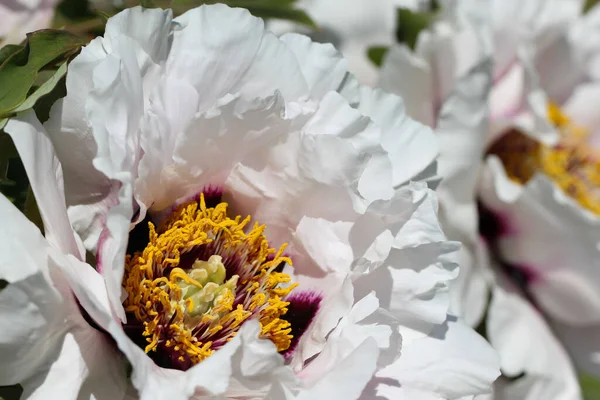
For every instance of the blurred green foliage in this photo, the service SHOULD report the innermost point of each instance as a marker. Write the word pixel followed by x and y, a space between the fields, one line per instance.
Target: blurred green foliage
pixel 590 387
pixel 588 5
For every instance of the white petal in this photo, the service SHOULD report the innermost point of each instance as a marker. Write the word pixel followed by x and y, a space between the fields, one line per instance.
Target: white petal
pixel 462 130
pixel 322 65
pixel 410 76
pixel 217 61
pixel 30 306
pixel 453 361
pixel 68 128
pixel 410 145
pixel 579 107
pixel 526 345
pixel 469 292
pixel 274 68
pixel 88 366
pixel 71 133
pixel 148 27
pixel 45 176
pixel 47 345
pixel 218 140
pixel 583 345
pixel 173 105
pixel 530 104
pixel 414 284
pixel 300 177
pixel 349 377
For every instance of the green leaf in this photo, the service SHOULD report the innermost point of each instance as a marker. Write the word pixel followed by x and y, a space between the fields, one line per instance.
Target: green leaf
pixel 589 4
pixel 43 90
pixel 409 24
pixel 377 53
pixel 15 183
pixel 10 392
pixel 590 387
pixel 75 10
pixel 7 147
pixel 31 211
pixel 20 70
pixel 8 51
pixel 147 4
pixel 44 104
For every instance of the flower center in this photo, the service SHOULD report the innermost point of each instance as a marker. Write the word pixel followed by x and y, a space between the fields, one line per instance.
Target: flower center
pixel 572 164
pixel 201 275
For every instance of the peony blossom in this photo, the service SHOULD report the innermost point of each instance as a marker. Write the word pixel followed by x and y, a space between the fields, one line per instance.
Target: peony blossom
pixel 20 17
pixel 260 222
pixel 451 60
pixel 540 186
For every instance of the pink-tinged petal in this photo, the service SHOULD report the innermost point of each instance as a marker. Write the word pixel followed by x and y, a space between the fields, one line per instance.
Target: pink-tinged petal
pixel 551 235
pixel 580 108
pixel 522 88
pixel 20 17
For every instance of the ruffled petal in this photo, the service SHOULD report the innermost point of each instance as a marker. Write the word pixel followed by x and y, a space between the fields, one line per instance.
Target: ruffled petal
pixel 411 146
pixel 413 282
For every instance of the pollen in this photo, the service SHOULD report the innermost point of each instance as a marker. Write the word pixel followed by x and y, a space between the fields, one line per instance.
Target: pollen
pixel 572 164
pixel 192 308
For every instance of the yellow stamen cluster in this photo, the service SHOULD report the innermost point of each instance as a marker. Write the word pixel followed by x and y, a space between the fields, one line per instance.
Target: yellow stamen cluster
pixel 194 311
pixel 571 164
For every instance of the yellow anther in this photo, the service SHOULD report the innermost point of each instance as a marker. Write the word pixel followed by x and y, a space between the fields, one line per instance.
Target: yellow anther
pixel 572 164
pixel 184 310
pixel 178 273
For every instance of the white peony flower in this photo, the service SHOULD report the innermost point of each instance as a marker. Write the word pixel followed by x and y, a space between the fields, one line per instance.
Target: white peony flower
pixel 22 16
pixel 451 60
pixel 173 131
pixel 543 190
